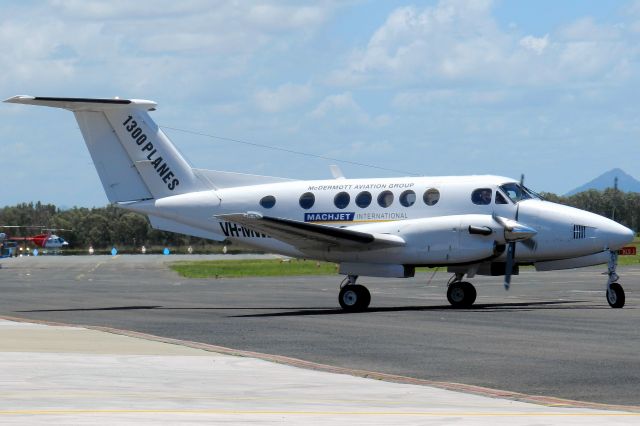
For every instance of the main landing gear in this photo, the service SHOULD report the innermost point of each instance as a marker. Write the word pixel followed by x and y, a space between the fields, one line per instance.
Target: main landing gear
pixel 356 298
pixel 460 294
pixel 615 293
pixel 353 297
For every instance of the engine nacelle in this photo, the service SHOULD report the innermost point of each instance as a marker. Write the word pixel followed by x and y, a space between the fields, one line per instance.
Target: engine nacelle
pixel 440 240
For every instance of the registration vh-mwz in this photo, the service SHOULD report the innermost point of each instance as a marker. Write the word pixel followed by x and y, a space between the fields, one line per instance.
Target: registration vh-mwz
pixel 383 227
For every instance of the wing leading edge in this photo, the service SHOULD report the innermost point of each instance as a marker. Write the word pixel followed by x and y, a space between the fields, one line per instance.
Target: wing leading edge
pixel 312 236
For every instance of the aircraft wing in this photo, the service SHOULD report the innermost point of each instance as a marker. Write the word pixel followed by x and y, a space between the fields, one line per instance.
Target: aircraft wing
pixel 304 235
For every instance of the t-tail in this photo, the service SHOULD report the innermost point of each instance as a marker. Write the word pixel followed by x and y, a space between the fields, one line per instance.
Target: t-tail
pixel 137 163
pixel 134 158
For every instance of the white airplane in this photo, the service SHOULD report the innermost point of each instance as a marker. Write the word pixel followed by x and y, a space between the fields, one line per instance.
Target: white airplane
pixel 384 227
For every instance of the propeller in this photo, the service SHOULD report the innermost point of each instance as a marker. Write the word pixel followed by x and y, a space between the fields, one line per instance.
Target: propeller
pixel 531 244
pixel 513 232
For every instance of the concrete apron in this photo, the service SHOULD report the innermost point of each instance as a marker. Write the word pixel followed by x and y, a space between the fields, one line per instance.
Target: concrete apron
pixel 73 375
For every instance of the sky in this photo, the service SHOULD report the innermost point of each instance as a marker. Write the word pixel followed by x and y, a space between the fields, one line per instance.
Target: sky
pixel 548 89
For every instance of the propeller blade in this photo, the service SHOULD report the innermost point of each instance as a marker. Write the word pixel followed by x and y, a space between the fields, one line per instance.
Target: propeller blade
pixel 530 244
pixel 511 248
pixel 499 220
pixel 514 231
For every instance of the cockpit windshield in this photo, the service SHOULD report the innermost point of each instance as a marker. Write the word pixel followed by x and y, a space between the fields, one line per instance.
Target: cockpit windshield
pixel 517 192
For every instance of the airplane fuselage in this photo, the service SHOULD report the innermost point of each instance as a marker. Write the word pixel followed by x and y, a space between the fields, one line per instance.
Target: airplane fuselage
pixel 432 214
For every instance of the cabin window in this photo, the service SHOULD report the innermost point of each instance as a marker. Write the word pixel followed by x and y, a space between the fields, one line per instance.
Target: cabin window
pixel 500 198
pixel 268 201
pixel 385 199
pixel 431 196
pixel 482 196
pixel 363 199
pixel 307 200
pixel 341 200
pixel 407 198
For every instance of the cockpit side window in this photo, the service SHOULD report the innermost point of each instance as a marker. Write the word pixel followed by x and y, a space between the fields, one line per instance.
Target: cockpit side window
pixel 515 192
pixel 500 198
pixel 482 196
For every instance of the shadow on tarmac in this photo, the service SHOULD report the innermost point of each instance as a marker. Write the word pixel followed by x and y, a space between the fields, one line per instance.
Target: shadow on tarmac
pixel 492 307
pixel 303 311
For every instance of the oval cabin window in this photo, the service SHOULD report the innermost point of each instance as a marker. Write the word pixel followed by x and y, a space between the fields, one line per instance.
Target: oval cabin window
pixel 431 196
pixel 268 201
pixel 385 199
pixel 363 199
pixel 307 200
pixel 408 198
pixel 341 200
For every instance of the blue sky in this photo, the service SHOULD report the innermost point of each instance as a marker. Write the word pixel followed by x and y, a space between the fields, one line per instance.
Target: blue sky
pixel 544 88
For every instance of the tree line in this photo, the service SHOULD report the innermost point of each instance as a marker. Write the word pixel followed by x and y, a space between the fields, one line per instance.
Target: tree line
pixel 98 227
pixel 110 226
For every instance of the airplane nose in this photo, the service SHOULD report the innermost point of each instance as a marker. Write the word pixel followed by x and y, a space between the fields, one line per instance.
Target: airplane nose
pixel 616 235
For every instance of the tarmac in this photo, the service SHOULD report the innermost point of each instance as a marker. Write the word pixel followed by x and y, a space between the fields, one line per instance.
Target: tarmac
pixel 55 373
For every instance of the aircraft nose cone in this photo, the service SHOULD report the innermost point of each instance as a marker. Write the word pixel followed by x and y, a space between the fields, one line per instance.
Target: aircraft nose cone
pixel 616 235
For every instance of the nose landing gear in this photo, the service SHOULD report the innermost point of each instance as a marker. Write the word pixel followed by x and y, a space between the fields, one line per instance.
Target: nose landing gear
pixel 615 292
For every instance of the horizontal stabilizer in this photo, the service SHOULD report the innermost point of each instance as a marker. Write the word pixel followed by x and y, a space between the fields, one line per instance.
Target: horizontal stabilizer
pixel 82 104
pixel 312 236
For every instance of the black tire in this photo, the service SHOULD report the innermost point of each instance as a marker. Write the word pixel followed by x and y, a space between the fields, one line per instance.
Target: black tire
pixel 461 294
pixel 366 297
pixel 354 298
pixel 615 296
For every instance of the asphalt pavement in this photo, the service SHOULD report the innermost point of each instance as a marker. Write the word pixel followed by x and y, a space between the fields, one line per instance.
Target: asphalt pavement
pixel 551 335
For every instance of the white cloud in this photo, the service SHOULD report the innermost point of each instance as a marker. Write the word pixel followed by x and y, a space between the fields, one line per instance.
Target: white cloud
pixel 283 97
pixel 456 42
pixel 418 99
pixel 535 44
pixel 343 109
pixel 146 45
pixel 451 40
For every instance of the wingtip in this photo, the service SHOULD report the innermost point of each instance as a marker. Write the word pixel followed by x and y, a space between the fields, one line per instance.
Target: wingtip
pixel 18 99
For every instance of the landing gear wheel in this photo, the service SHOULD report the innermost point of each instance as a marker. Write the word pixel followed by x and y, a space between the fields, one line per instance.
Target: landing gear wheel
pixel 615 295
pixel 354 298
pixel 461 294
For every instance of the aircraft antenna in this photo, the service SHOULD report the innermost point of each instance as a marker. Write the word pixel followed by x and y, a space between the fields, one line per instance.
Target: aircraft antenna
pixel 290 151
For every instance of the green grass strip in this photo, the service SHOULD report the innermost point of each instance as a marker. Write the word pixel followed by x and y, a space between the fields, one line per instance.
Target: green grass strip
pixel 252 268
pixel 289 267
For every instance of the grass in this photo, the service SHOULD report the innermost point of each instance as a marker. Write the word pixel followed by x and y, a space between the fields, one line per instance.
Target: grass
pixel 631 260
pixel 252 268
pixel 291 267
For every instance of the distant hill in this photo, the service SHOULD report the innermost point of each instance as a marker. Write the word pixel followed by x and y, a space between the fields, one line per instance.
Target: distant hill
pixel 626 183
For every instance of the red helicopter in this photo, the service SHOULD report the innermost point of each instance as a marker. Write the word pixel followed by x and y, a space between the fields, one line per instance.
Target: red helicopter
pixel 46 240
